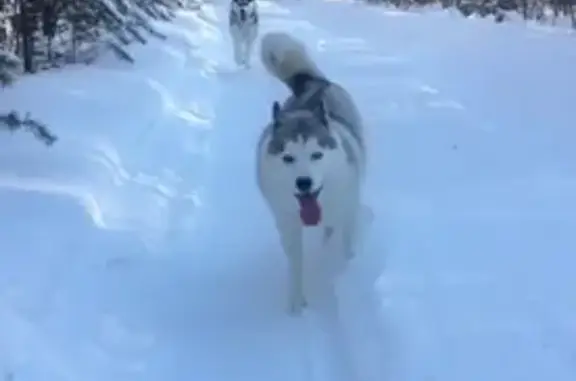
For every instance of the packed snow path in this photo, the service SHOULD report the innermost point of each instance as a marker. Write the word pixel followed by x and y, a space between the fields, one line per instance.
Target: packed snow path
pixel 138 248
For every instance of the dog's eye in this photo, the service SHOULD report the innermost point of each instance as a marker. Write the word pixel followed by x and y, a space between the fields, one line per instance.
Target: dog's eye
pixel 288 159
pixel 316 156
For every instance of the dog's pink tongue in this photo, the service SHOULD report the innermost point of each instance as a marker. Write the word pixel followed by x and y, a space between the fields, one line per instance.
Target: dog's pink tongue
pixel 310 211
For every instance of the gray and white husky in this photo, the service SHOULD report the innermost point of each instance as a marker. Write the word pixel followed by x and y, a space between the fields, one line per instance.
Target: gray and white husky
pixel 243 22
pixel 311 157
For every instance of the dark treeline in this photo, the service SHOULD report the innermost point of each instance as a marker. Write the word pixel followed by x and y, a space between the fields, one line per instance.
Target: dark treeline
pixel 38 35
pixel 547 11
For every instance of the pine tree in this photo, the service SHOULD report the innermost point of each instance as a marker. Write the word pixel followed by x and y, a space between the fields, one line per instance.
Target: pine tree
pixel 10 65
pixel 44 34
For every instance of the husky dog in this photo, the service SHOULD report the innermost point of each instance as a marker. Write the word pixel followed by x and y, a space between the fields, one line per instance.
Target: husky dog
pixel 311 157
pixel 243 27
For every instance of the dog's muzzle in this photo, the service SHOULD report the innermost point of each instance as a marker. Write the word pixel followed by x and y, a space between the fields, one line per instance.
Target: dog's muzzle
pixel 310 209
pixel 302 196
pixel 305 188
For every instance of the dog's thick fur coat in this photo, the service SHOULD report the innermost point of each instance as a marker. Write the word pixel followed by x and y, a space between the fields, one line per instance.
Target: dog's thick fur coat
pixel 311 157
pixel 243 26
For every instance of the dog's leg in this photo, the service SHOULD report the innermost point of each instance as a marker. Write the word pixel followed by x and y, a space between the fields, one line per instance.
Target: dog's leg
pixel 244 43
pixel 340 233
pixel 250 46
pixel 237 47
pixel 291 239
pixel 349 238
pixel 341 238
pixel 348 229
pixel 351 225
pixel 246 52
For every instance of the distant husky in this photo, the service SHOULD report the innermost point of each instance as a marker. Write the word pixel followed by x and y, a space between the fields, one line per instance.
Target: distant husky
pixel 311 157
pixel 243 26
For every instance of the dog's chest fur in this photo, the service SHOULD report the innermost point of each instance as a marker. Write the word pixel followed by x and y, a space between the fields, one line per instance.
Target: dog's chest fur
pixel 241 17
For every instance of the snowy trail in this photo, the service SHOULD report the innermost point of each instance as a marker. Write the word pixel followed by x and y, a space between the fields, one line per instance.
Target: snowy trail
pixel 139 249
pixel 248 288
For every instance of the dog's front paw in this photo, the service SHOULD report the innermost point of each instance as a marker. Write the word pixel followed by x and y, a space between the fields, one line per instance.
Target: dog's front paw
pixel 296 305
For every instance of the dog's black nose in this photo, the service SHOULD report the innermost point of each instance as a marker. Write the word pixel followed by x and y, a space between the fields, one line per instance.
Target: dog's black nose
pixel 304 184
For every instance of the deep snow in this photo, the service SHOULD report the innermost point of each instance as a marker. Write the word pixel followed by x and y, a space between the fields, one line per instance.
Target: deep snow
pixel 138 248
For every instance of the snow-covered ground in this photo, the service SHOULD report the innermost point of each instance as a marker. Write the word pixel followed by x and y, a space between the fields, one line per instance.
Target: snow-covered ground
pixel 138 248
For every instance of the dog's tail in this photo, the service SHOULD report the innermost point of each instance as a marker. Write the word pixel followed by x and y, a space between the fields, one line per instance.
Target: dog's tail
pixel 286 58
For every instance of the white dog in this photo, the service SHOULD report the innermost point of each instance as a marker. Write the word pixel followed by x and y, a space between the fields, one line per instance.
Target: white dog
pixel 311 157
pixel 243 26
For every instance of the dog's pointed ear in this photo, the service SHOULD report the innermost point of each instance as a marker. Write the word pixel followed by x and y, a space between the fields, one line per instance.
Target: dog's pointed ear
pixel 276 113
pixel 321 112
